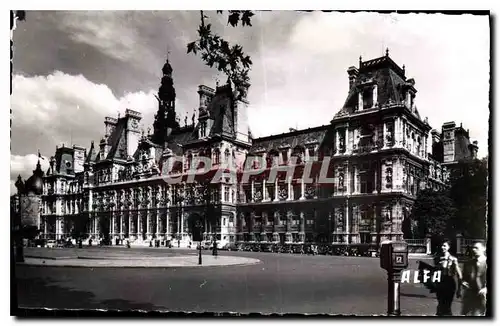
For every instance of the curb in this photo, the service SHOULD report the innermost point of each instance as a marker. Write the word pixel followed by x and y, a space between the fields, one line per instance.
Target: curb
pixel 43 264
pixel 137 267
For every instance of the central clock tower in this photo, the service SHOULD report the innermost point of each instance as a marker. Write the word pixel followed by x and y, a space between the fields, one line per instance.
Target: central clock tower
pixel 132 133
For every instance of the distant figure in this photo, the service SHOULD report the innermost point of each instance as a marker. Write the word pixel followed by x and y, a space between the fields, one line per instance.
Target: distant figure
pixel 447 288
pixel 474 283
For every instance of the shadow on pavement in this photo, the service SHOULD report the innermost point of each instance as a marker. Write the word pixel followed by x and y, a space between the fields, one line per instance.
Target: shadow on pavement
pixel 39 293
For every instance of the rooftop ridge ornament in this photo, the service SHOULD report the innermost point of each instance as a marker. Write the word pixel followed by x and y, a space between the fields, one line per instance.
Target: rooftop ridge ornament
pixel 387 52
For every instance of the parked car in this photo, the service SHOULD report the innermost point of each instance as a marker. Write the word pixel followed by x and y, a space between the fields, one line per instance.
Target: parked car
pixel 40 243
pixel 51 243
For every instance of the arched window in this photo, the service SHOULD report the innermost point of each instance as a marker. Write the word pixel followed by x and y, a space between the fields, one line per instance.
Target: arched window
pixel 227 155
pixel 298 154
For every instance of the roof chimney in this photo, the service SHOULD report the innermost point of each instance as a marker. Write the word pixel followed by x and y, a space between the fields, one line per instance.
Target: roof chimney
pixel 352 72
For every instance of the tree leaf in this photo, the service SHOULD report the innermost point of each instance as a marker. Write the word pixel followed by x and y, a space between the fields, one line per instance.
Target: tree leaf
pixel 233 18
pixel 191 47
pixel 245 19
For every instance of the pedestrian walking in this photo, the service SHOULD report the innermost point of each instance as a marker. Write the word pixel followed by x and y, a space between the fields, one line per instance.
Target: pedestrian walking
pixel 447 287
pixel 474 283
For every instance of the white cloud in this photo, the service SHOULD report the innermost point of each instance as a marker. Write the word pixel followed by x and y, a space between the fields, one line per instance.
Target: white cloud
pixel 48 110
pixel 305 81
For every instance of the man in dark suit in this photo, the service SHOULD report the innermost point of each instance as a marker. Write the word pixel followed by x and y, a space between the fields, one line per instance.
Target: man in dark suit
pixel 474 283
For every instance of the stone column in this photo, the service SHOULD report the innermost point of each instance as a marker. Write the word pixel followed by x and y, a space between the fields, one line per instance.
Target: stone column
pixel 346 141
pixel 45 226
pixel 182 221
pixel 167 226
pixel 129 223
pixel 264 191
pixel 97 231
pixel 360 100
pixel 289 192
pixel 121 224
pixel 112 225
pixel 302 189
pixel 375 95
pixel 148 224
pixel 384 135
pixel 356 179
pixel 396 136
pixel 252 190
pixel 346 218
pixel 347 180
pixel 337 142
pixel 276 193
pixel 139 224
pixel 302 233
pixel 375 182
pixel 158 221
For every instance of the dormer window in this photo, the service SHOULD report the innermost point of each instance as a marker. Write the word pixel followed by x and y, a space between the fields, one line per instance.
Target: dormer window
pixel 367 98
pixel 216 156
pixel 284 157
pixel 203 129
pixel 298 153
pixel 270 159
pixel 311 153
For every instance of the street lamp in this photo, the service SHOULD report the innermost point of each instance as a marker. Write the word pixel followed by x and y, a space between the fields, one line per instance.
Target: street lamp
pixel 180 199
pixel 198 231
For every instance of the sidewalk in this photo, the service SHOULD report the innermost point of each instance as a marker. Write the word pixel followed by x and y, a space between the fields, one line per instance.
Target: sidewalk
pixel 142 262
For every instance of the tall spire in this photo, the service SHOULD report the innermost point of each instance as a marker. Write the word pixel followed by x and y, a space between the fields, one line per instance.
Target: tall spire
pixel 165 116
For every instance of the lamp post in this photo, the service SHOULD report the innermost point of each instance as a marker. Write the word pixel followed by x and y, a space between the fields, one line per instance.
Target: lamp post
pixel 330 228
pixel 180 199
pixel 199 228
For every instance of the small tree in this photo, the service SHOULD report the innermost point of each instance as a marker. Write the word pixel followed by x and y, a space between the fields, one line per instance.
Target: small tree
pixel 433 211
pixel 468 181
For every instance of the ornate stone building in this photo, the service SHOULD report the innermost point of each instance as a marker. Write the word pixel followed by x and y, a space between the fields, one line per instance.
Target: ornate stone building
pixel 374 152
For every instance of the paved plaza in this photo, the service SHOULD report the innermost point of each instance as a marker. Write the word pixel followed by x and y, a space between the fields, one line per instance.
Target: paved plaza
pixel 259 282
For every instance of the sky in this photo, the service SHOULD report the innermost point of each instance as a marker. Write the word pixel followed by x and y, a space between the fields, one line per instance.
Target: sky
pixel 71 69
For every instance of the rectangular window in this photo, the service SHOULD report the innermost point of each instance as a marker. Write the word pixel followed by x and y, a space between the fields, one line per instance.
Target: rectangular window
pixel 311 153
pixel 226 193
pixel 284 156
pixel 367 98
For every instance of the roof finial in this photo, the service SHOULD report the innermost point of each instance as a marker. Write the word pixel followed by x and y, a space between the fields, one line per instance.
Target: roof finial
pixel 404 69
pixel 168 52
pixel 360 60
pixel 387 52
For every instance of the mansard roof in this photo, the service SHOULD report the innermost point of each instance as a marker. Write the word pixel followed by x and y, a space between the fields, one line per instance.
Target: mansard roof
pixel 180 137
pixel 291 139
pixel 389 78
pixel 114 139
pixel 221 110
